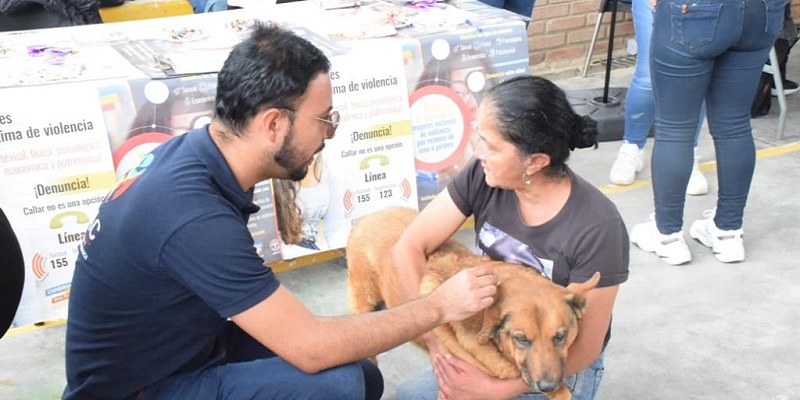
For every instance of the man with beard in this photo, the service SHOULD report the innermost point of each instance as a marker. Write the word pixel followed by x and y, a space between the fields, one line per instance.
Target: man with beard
pixel 170 299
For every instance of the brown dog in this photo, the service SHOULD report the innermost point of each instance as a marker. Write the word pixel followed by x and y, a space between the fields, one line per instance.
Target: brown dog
pixel 526 332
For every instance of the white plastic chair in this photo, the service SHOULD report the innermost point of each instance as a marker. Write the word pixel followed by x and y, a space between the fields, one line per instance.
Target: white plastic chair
pixel 772 68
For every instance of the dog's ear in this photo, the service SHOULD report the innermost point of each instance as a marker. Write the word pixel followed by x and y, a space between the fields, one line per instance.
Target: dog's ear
pixel 491 320
pixel 576 294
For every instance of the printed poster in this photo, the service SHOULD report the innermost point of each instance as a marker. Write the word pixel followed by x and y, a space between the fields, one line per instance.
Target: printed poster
pixel 55 169
pixel 45 57
pixel 142 113
pixel 458 68
pixel 369 165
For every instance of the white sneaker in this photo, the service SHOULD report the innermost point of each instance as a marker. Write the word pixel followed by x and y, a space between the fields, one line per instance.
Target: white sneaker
pixel 698 185
pixel 628 163
pixel 671 248
pixel 728 246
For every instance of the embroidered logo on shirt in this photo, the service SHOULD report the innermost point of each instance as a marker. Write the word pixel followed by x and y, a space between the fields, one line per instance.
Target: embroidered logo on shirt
pixel 129 178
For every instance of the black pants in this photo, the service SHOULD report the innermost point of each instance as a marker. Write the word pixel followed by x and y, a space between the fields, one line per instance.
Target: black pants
pixel 12 274
pixel 32 17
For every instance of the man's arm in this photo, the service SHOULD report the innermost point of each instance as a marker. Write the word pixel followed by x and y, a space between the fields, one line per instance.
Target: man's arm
pixel 283 324
pixel 437 222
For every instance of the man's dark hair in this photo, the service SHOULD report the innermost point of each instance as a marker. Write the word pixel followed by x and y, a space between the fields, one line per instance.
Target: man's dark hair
pixel 271 68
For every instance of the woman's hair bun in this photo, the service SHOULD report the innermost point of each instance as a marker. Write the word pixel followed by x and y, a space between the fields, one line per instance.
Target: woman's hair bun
pixel 584 133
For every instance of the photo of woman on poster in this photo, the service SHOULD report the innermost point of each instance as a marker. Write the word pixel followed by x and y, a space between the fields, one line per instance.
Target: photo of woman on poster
pixel 443 107
pixel 301 208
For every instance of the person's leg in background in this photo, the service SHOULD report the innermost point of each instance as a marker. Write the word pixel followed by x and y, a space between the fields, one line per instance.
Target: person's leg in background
pixel 521 7
pixel 253 371
pixel 198 6
pixel 690 48
pixel 640 110
pixel 204 6
pixel 698 184
pixel 639 103
pixel 216 5
pixel 494 3
pixel 682 61
pixel 736 75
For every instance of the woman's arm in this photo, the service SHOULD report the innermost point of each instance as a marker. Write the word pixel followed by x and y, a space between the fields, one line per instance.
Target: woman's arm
pixel 605 249
pixel 434 225
pixel 437 222
pixel 592 329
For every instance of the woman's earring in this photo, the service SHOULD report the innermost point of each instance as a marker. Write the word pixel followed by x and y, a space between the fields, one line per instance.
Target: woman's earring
pixel 526 179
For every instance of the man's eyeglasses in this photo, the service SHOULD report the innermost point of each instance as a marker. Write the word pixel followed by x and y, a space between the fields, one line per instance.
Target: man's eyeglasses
pixel 332 121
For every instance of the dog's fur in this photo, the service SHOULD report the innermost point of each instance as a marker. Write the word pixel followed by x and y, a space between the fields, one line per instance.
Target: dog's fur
pixel 526 332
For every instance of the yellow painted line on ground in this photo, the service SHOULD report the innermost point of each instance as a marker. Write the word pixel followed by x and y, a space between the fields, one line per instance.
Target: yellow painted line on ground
pixel 612 189
pixel 283 266
pixel 777 150
pixel 760 155
pixel 316 258
pixel 32 327
pixel 707 167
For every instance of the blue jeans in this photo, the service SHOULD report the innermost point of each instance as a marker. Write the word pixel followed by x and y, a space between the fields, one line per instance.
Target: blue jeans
pixel 713 50
pixel 254 372
pixel 582 385
pixel 204 6
pixel 521 7
pixel 640 103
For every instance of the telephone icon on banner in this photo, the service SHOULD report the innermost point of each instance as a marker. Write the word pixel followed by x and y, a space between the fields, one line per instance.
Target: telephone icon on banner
pixel 383 160
pixel 57 221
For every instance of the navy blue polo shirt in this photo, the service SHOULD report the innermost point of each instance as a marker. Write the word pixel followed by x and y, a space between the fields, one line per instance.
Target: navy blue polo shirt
pixel 168 259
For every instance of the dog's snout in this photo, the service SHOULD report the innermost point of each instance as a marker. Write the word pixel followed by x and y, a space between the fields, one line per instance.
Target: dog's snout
pixel 548 385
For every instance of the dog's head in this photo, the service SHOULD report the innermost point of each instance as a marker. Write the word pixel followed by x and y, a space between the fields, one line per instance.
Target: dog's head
pixel 533 322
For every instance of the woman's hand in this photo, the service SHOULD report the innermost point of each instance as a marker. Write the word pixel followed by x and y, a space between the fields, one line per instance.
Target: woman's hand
pixel 433 346
pixel 460 380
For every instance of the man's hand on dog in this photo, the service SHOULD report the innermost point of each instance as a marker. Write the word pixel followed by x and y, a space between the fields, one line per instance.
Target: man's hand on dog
pixel 465 293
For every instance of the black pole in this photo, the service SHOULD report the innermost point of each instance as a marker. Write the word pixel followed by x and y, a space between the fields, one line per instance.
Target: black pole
pixel 610 49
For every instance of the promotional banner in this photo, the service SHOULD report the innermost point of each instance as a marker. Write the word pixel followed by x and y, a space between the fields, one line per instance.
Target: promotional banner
pixel 142 113
pixel 48 56
pixel 55 169
pixel 369 164
pixel 406 107
pixel 458 68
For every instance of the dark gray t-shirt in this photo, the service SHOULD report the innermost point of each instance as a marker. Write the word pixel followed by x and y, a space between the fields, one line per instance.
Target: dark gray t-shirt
pixel 586 236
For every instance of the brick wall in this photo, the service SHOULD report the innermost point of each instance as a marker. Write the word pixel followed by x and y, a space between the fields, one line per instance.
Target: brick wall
pixel 561 30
